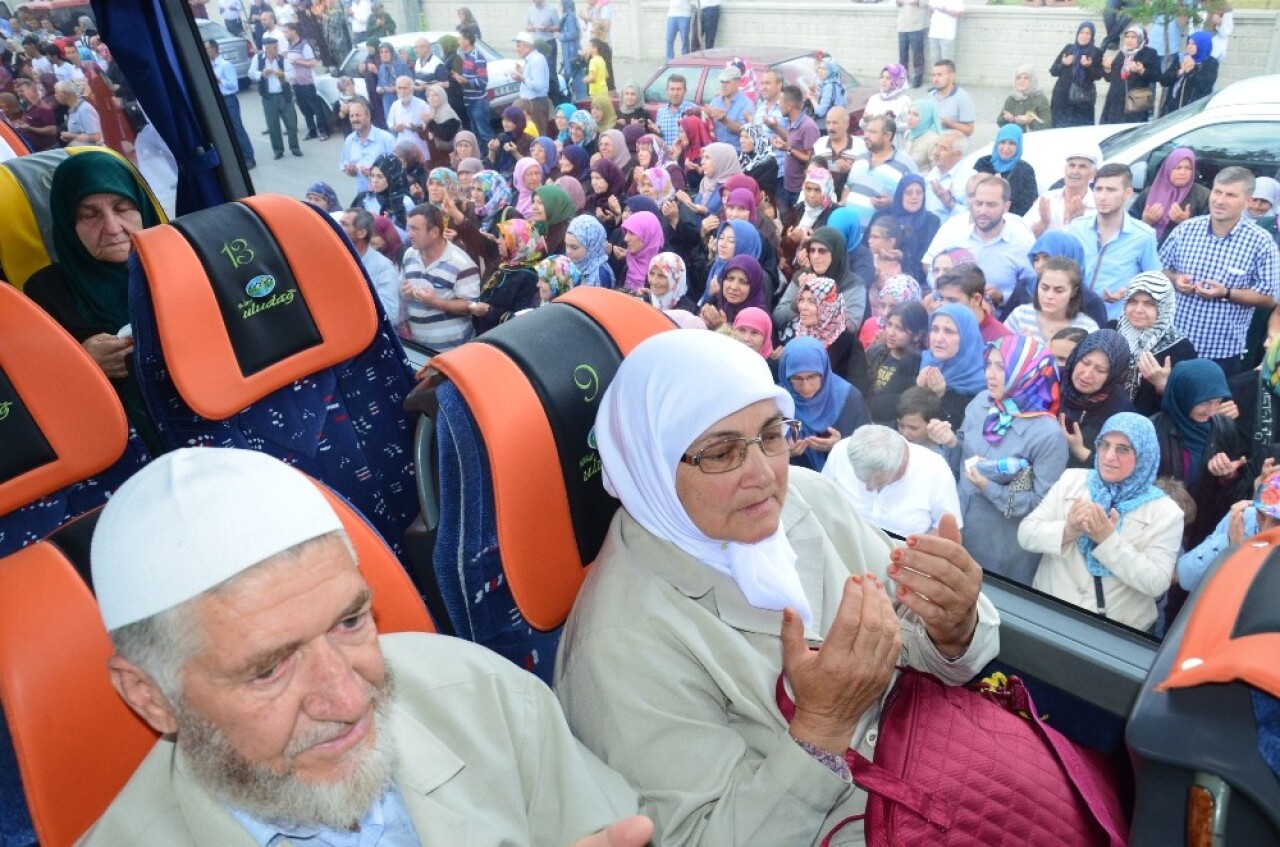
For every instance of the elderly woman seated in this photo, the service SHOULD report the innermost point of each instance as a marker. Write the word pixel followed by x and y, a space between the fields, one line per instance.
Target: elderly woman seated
pixel 901 487
pixel 721 569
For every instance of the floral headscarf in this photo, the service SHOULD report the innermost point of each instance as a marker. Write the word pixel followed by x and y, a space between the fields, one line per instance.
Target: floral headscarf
pixel 822 178
pixel 1133 491
pixel 661 180
pixel 325 191
pixel 831 319
pixel 646 227
pixel 448 179
pixel 763 149
pixel 583 119
pixel 559 274
pixel 593 238
pixel 524 246
pixel 655 143
pixel 897 80
pixel 497 196
pixel 1161 334
pixel 901 288
pixel 672 267
pixel 1030 385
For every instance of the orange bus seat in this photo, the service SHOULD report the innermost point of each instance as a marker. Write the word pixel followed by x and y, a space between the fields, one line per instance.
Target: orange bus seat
pixel 523 510
pixel 256 327
pixel 53 678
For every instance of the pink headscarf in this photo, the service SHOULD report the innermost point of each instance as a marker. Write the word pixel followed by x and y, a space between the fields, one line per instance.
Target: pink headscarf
pixel 757 319
pixel 646 227
pixel 524 197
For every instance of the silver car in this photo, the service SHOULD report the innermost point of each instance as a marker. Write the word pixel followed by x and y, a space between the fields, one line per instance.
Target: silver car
pixel 237 50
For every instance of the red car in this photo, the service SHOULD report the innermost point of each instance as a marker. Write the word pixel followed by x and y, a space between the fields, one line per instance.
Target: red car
pixel 702 72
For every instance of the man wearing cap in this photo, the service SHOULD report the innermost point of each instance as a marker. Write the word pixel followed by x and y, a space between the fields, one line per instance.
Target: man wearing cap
pixel 267 69
pixel 245 636
pixel 534 75
pixel 731 109
pixel 1058 207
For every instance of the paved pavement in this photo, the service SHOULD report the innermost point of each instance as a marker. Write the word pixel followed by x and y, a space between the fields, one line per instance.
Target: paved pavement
pixel 291 175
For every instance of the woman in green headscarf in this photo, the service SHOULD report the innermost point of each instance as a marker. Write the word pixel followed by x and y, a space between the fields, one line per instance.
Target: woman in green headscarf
pixel 923 129
pixel 552 211
pixel 97 201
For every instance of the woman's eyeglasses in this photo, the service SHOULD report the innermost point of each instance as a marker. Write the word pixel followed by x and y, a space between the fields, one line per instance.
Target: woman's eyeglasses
pixel 1122 451
pixel 819 250
pixel 730 454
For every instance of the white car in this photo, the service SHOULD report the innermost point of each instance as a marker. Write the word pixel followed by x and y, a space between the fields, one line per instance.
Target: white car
pixel 1236 126
pixel 503 89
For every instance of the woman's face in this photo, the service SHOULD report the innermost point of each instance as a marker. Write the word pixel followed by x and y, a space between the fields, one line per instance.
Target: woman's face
pixel 477 194
pixel 1182 174
pixel 1191 48
pixel 562 123
pixel 605 146
pixel 658 282
pixel 1140 309
pixel 377 180
pixel 813 194
pixel 749 336
pixel 644 156
pixel 634 244
pixel 435 191
pixel 1084 36
pixel 104 223
pixel 807 385
pixel 509 126
pixel 1131 41
pixel 573 249
pixel 724 247
pixel 746 142
pixel 807 308
pixel 1022 82
pixel 317 200
pixel 464 148
pixel 736 287
pixel 539 211
pixel 538 154
pixel 629 99
pixel 896 336
pixel 1202 412
pixel 577 134
pixel 1116 457
pixel 887 302
pixel 913 198
pixel 886 82
pixel 944 338
pixel 995 375
pixel 1091 372
pixel 1054 291
pixel 566 166
pixel 745 504
pixel 464 183
pixel 434 99
pixel 913 118
pixel 597 114
pixel 707 165
pixel 737 213
pixel 532 178
pixel 644 186
pixel 385 55
pixel 598 183
pixel 1007 149
pixel 819 258
pixel 941 264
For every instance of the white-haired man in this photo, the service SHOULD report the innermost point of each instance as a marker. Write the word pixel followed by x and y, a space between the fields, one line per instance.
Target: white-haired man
pixel 901 487
pixel 244 635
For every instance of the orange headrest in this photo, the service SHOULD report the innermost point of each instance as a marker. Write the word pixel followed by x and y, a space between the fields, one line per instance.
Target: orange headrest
pixel 11 144
pixel 542 556
pixel 60 420
pixel 252 296
pixel 1233 632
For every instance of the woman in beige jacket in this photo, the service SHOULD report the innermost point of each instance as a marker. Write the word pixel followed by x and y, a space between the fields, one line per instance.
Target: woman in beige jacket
pixel 1109 537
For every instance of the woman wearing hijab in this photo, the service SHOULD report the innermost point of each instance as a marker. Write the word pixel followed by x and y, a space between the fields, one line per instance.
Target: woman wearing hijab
pixel 552 210
pixel 556 275
pixel 416 167
pixel 1193 77
pixel 513 286
pixel 1077 68
pixel 861 263
pixel 465 146
pixel 1094 387
pixel 892 99
pixel 608 190
pixel 655 183
pixel 512 144
pixel 1026 106
pixel 322 194
pixel 919 225
pixel 694 135
pixel 388 192
pixel 603 113
pixel 1056 243
pixel 450 64
pixel 631 106
pixel 1173 196
pixel 830 90
pixel 444 127
pixel 443 186
pixel 1155 345
pixel 575 161
pixel 386 239
pixel 1005 160
pixel 584 243
pixel 754 328
pixel 922 130
pixel 817 202
pixel 92 195
pixel 544 151
pixel 742 287
pixel 952 365
pixel 827 406
pixel 670 660
pixel 492 197
pixel 756 157
pixel 667 284
pixel 824 255
pixel 1108 538
pixel 526 178
pixel 1012 419
pixel 561 116
pixel 644 240
pixel 1135 68
pixel 583 131
pixel 820 314
pixel 652 152
pixel 733 238
pixel 390 68
pixel 719 162
pixel 612 147
pixel 573 188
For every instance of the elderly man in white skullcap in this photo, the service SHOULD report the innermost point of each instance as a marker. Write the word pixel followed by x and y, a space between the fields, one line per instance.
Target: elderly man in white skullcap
pixel 670 662
pixel 244 635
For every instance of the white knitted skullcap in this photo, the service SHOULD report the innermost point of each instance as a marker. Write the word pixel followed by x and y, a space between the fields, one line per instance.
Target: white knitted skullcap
pixel 193 519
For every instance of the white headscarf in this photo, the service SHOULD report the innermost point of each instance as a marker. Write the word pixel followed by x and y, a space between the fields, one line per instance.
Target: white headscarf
pixel 654 409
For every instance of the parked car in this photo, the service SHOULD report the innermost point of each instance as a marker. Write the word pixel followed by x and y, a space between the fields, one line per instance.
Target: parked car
pixel 1236 126
pixel 701 71
pixel 63 13
pixel 503 89
pixel 236 49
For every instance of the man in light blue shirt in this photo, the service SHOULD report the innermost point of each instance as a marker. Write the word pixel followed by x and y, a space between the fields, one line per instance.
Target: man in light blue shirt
pixel 534 75
pixel 999 243
pixel 229 88
pixel 1117 247
pixel 364 145
pixel 731 109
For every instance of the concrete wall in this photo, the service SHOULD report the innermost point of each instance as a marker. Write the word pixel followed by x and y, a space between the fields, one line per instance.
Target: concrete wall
pixel 993 40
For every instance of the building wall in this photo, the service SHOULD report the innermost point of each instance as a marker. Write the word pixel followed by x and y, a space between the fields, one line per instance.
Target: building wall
pixel 993 40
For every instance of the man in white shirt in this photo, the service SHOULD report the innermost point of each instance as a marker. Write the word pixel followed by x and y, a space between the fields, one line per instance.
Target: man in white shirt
pixel 997 238
pixel 1058 207
pixel 408 116
pixel 358 225
pixel 945 182
pixel 945 14
pixel 838 147
pixel 901 487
